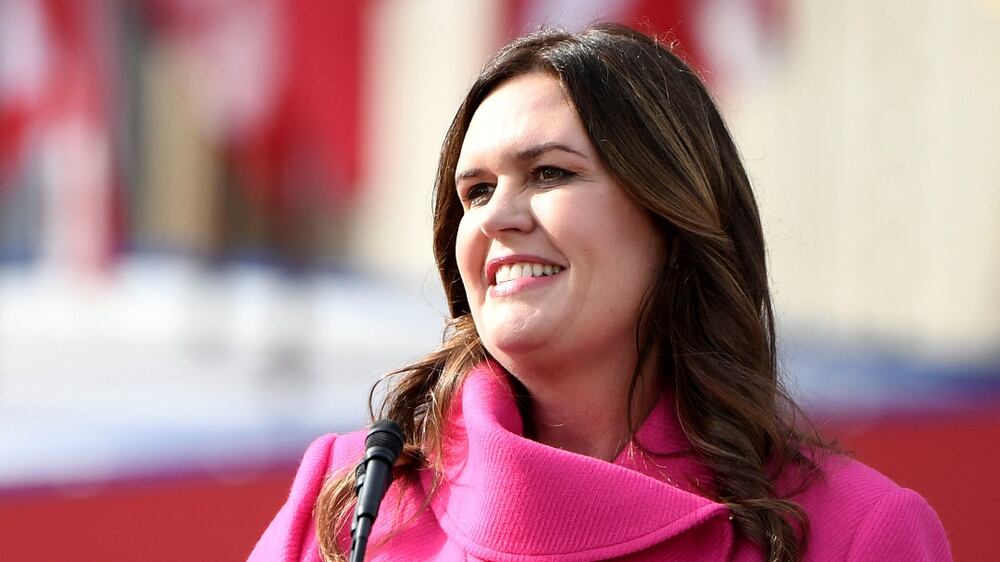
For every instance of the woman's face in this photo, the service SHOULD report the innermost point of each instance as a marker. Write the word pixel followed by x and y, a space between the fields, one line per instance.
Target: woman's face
pixel 554 255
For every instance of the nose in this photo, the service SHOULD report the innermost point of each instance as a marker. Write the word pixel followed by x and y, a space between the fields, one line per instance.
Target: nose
pixel 508 211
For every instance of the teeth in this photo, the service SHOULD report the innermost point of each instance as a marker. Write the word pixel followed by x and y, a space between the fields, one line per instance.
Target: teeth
pixel 510 272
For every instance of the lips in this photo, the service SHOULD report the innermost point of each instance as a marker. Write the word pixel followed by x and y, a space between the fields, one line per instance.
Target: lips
pixel 509 268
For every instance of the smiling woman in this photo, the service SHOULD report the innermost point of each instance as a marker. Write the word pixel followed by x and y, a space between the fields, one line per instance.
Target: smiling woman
pixel 607 387
pixel 542 197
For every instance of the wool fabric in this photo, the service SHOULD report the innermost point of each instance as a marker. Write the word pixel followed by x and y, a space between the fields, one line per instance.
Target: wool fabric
pixel 506 498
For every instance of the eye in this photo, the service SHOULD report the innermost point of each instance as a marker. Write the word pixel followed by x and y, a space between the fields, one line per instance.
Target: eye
pixel 551 174
pixel 478 195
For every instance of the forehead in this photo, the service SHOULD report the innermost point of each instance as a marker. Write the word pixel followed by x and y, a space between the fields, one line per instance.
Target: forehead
pixel 524 111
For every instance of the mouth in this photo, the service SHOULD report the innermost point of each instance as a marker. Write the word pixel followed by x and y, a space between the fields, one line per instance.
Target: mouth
pixel 511 268
pixel 511 272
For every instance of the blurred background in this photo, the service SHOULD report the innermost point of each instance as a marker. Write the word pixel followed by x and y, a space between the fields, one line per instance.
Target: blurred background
pixel 215 236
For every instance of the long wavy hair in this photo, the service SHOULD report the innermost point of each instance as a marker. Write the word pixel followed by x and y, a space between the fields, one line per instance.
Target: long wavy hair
pixel 708 312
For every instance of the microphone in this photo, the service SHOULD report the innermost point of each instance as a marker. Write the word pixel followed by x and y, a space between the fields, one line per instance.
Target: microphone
pixel 383 445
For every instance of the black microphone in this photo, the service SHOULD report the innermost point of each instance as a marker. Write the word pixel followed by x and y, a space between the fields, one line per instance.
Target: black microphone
pixel 383 445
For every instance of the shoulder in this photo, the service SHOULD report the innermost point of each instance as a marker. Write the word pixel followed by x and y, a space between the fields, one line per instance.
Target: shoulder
pixel 326 455
pixel 291 528
pixel 860 514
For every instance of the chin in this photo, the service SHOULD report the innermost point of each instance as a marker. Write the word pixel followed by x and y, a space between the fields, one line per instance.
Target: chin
pixel 521 354
pixel 513 346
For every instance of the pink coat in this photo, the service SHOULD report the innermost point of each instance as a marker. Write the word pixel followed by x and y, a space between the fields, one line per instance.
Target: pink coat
pixel 507 498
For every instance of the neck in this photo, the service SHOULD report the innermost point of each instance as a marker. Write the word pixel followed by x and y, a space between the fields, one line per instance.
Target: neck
pixel 584 408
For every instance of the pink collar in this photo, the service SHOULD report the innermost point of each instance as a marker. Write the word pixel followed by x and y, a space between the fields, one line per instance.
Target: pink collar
pixel 508 497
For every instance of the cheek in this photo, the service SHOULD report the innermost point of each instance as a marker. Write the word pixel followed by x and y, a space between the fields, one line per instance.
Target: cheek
pixel 470 255
pixel 643 256
pixel 635 251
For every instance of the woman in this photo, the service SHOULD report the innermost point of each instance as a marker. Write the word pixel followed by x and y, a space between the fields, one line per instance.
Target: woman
pixel 607 388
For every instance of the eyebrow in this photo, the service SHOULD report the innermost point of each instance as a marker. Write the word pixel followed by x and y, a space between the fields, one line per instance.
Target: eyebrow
pixel 525 155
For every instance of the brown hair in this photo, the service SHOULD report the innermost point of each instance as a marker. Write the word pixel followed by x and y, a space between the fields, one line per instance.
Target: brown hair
pixel 709 312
